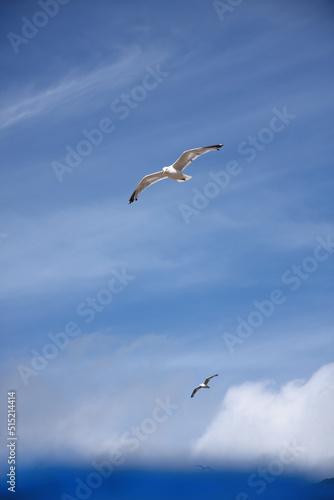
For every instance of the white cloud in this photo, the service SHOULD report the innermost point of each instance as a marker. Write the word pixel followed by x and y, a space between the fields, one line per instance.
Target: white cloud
pixel 255 422
pixel 102 385
pixel 70 89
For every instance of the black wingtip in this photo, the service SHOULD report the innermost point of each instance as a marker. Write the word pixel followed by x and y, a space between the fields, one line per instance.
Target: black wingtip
pixel 217 146
pixel 132 198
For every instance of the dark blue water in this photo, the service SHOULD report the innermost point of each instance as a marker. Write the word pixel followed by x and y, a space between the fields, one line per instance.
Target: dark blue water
pixel 49 483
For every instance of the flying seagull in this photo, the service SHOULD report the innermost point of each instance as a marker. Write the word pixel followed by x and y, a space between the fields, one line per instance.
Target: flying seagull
pixel 174 171
pixel 204 467
pixel 204 385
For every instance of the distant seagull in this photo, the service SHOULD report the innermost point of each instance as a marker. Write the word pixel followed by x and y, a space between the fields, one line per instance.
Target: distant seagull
pixel 204 467
pixel 174 171
pixel 204 385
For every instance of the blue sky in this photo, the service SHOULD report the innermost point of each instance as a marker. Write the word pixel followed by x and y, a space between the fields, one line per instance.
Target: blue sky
pixel 109 307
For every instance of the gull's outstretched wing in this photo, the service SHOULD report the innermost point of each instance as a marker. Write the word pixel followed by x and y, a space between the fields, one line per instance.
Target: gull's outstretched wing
pixel 195 390
pixel 190 155
pixel 203 467
pixel 146 182
pixel 209 378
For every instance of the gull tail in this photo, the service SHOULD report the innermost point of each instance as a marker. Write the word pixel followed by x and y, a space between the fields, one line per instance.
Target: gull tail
pixel 184 178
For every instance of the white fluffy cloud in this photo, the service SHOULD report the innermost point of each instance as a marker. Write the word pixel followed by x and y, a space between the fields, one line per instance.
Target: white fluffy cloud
pixel 256 422
pixel 104 386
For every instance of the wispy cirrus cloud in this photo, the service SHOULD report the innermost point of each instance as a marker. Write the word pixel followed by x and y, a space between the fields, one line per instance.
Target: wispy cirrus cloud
pixel 28 101
pixel 83 242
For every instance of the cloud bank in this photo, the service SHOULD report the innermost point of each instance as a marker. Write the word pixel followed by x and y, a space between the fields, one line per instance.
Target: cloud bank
pixel 107 406
pixel 256 422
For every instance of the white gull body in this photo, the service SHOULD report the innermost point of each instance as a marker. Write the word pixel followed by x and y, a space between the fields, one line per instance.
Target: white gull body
pixel 204 385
